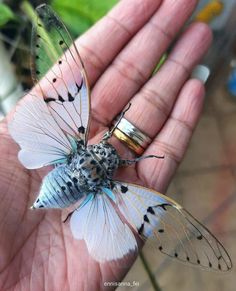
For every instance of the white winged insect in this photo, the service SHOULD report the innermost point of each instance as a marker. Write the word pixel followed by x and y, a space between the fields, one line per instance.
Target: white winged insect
pixel 52 126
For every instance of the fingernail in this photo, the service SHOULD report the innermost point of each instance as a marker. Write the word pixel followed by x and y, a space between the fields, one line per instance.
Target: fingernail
pixel 201 73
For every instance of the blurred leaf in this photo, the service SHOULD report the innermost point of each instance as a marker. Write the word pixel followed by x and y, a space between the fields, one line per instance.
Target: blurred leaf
pixel 79 15
pixel 5 14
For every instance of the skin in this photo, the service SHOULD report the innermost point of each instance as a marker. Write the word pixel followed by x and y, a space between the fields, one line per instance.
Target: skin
pixel 37 251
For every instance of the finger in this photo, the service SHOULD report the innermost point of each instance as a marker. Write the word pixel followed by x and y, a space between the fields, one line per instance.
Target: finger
pixel 156 99
pixel 173 139
pixel 103 41
pixel 135 63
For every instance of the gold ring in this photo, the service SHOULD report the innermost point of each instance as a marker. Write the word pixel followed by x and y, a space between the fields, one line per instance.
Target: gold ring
pixel 135 139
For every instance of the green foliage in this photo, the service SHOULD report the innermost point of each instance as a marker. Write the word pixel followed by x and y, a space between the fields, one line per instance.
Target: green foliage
pixel 5 14
pixel 79 15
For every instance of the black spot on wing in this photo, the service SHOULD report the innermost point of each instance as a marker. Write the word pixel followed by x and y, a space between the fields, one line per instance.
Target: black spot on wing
pixel 70 97
pixel 146 219
pixel 79 86
pixel 140 230
pixel 49 99
pixel 123 189
pixel 60 98
pixel 150 210
pixel 163 206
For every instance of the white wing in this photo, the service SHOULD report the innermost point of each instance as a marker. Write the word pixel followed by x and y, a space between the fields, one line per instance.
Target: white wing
pixel 98 224
pixel 174 231
pixel 47 125
pixel 41 140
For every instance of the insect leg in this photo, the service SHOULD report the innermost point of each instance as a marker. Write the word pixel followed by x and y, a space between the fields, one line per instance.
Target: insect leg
pixel 133 161
pixel 68 216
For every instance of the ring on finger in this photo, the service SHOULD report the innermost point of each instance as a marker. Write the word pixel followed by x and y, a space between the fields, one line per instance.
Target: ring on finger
pixel 131 136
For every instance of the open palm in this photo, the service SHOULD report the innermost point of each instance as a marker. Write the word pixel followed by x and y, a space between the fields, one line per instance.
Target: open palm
pixel 37 250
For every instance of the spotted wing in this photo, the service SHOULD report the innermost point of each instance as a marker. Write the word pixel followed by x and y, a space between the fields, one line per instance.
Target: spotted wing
pixel 174 231
pixel 98 224
pixel 55 116
pixel 57 68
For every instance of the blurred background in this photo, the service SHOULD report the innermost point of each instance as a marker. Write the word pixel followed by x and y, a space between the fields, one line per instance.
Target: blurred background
pixel 205 183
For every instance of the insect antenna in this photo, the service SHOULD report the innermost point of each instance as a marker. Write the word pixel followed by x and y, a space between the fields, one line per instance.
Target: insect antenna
pixel 109 133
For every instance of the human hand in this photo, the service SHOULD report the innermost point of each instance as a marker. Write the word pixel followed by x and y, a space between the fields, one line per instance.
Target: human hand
pixel 120 52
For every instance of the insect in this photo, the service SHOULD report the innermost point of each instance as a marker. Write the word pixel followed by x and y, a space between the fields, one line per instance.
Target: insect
pixel 51 126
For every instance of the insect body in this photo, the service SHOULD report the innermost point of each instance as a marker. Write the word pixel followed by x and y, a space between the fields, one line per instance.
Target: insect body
pixel 51 125
pixel 87 172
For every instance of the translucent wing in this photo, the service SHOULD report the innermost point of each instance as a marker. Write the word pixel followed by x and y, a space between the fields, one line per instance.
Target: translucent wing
pixel 49 123
pixel 98 224
pixel 64 86
pixel 174 231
